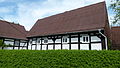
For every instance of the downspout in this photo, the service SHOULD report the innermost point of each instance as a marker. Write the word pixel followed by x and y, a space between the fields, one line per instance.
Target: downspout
pixel 105 38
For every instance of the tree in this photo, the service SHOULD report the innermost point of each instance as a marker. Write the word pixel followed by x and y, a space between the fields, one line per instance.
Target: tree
pixel 115 6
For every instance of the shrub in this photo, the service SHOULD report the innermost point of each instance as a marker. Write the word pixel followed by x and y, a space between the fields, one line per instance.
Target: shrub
pixel 59 59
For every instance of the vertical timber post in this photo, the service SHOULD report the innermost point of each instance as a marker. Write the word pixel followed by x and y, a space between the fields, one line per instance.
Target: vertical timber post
pixel 69 42
pixel 41 43
pixel 78 41
pixel 61 43
pixel 54 43
pixel 89 41
pixel 19 45
pixel 14 44
pixel 3 43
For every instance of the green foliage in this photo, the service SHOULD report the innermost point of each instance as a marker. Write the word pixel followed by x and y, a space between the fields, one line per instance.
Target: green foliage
pixel 109 44
pixel 1 42
pixel 115 6
pixel 59 59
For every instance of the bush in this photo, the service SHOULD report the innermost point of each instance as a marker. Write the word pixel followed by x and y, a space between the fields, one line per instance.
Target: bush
pixel 59 59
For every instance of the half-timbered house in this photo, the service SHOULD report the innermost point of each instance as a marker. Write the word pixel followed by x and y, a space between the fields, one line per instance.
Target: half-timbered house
pixel 85 28
pixel 13 34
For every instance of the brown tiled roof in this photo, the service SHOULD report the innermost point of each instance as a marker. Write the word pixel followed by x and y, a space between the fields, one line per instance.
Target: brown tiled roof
pixel 85 18
pixel 11 30
pixel 116 36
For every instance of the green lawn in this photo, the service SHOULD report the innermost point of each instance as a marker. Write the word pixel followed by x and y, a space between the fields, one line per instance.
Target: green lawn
pixel 59 59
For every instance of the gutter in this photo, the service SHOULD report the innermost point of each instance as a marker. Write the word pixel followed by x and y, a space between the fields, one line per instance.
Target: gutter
pixel 105 38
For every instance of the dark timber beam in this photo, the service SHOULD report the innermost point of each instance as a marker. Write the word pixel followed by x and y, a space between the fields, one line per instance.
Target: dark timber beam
pixel 3 43
pixel 89 41
pixel 103 43
pixel 31 44
pixel 61 43
pixel 36 44
pixel 78 41
pixel 69 42
pixel 14 44
pixel 19 45
pixel 53 42
pixel 41 43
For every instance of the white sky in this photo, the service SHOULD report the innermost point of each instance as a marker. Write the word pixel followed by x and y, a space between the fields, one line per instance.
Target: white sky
pixel 27 13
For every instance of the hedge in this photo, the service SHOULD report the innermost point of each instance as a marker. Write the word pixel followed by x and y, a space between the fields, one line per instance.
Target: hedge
pixel 59 59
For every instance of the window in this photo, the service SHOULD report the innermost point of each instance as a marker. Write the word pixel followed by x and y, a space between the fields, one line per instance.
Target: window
pixel 64 40
pixel 38 40
pixel 84 38
pixel 30 41
pixel 45 40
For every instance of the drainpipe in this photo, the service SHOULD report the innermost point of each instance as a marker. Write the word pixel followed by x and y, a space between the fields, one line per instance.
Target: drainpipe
pixel 105 38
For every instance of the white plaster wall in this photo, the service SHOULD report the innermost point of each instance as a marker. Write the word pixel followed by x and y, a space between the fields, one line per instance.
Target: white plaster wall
pixel 84 46
pixel 44 47
pixel 33 47
pixel 29 47
pixel 74 46
pixel 38 47
pixel 58 41
pixel 10 48
pixel 74 39
pixel 65 46
pixel 8 42
pixel 50 47
pixel 22 48
pixel 33 42
pixel 96 46
pixel 50 41
pixel 16 48
pixel 57 47
pixel 95 39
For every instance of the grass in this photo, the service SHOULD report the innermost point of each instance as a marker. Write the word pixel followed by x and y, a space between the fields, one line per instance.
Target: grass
pixel 59 59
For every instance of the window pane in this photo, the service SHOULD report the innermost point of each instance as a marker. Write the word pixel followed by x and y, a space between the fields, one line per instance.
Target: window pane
pixel 65 39
pixel 83 39
pixel 86 39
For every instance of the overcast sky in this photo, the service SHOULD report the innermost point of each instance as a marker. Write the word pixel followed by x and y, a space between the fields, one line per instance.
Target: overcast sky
pixel 27 12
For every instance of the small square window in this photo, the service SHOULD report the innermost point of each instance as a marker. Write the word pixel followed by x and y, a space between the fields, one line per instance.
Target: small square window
pixel 64 39
pixel 86 39
pixel 45 40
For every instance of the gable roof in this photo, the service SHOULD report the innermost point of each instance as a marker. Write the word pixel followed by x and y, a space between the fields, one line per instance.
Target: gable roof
pixel 11 30
pixel 116 35
pixel 81 19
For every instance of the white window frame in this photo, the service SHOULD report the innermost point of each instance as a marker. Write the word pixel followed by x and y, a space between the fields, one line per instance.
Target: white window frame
pixel 39 40
pixel 85 36
pixel 65 39
pixel 45 39
pixel 30 41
